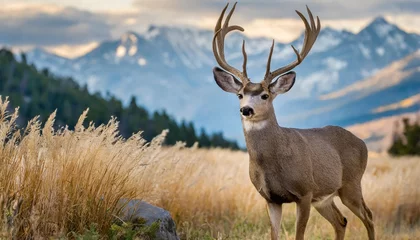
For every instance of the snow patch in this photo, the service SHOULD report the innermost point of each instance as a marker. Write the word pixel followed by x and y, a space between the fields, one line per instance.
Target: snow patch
pixel 325 42
pixel 142 61
pixel 325 80
pixel 258 46
pixel 397 41
pixel 187 50
pixel 129 36
pixel 383 29
pixel 121 51
pixel 285 53
pixel 380 51
pixel 365 51
pixel 168 61
pixel 107 56
pixel 133 38
pixel 133 50
pixel 322 81
pixel 203 40
pixel 77 66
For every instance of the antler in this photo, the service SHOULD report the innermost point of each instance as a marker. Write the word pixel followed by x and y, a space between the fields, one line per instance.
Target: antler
pixel 311 33
pixel 219 42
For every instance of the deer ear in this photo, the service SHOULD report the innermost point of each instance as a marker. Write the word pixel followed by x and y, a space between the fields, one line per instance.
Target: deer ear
pixel 226 81
pixel 283 83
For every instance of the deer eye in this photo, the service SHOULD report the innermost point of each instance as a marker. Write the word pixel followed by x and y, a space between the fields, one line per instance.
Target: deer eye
pixel 240 96
pixel 265 97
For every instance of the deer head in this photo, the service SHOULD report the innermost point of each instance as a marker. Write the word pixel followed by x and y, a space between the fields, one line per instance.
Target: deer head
pixel 256 99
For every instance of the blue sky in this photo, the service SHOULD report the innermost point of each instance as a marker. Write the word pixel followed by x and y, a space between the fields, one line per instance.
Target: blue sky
pixel 72 27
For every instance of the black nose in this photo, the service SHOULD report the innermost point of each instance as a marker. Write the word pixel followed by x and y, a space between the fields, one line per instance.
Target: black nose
pixel 247 111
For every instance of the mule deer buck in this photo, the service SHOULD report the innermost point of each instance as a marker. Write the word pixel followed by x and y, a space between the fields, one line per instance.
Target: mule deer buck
pixel 305 166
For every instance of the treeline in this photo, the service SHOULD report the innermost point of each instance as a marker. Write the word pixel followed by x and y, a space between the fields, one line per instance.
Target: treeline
pixel 407 141
pixel 40 93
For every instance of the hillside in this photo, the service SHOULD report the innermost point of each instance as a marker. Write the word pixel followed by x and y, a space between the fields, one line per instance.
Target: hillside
pixel 378 133
pixel 41 93
pixel 391 91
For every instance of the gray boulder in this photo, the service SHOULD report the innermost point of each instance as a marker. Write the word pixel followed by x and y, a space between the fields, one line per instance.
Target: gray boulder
pixel 135 210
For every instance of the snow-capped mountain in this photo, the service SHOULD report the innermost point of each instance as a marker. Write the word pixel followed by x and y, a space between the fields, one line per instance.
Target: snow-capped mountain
pixel 393 90
pixel 170 68
pixel 328 39
pixel 356 56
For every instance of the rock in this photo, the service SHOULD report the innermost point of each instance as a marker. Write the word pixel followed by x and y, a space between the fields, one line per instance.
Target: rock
pixel 135 210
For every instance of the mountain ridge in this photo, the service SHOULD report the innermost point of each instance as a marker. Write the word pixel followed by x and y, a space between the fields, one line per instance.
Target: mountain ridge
pixel 176 63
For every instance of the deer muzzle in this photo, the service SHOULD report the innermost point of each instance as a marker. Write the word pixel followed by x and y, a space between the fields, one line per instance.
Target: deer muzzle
pixel 247 111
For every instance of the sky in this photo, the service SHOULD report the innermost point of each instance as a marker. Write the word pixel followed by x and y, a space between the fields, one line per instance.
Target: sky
pixel 70 28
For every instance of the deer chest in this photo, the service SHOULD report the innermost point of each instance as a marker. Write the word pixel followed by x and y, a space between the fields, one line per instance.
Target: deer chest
pixel 271 187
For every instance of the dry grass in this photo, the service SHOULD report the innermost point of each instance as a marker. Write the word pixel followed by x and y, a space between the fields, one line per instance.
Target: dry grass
pixel 211 195
pixel 53 183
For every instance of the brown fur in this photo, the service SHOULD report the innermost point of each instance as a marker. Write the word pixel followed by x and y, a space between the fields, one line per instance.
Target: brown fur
pixel 305 166
pixel 253 89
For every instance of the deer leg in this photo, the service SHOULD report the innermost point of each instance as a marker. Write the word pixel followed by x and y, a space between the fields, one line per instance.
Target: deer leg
pixel 353 199
pixel 330 212
pixel 274 212
pixel 303 209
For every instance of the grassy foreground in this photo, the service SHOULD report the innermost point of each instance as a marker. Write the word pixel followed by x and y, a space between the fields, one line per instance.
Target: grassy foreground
pixel 58 183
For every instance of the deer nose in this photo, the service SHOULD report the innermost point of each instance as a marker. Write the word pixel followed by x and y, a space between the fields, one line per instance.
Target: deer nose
pixel 247 111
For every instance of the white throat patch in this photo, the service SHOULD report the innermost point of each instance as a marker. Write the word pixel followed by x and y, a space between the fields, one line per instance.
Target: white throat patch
pixel 252 126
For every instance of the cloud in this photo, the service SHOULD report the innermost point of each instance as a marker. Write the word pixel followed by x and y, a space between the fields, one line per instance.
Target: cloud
pixel 61 28
pixel 399 6
pixel 278 19
pixel 50 26
pixel 72 51
pixel 250 9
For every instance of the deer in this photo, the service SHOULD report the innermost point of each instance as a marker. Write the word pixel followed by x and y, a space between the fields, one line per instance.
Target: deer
pixel 308 167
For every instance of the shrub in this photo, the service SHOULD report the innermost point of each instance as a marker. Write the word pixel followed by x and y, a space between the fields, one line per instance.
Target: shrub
pixel 408 142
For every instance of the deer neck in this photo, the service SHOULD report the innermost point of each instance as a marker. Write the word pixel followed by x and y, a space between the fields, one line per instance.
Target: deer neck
pixel 259 134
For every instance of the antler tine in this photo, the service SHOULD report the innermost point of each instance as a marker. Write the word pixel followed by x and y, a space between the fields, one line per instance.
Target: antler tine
pixel 219 21
pixel 267 72
pixel 217 30
pixel 311 33
pixel 218 44
pixel 245 59
pixel 311 17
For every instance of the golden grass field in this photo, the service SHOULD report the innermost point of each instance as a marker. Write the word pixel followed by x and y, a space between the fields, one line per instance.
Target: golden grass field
pixel 53 183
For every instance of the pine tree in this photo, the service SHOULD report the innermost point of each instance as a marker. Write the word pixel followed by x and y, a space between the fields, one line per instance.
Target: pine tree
pixel 38 92
pixel 407 143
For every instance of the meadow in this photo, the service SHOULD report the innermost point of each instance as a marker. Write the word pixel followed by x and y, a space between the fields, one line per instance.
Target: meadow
pixel 57 183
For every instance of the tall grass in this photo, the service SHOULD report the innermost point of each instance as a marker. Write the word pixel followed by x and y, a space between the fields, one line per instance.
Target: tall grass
pixel 213 196
pixel 55 183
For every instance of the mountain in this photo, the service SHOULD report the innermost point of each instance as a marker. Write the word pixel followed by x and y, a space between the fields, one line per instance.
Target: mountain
pixel 38 93
pixel 393 90
pixel 170 68
pixel 53 62
pixel 357 57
